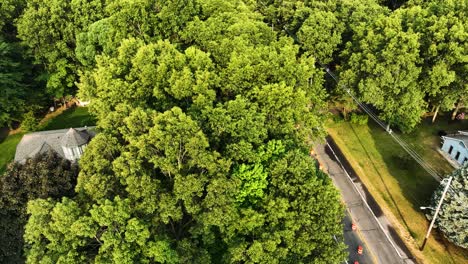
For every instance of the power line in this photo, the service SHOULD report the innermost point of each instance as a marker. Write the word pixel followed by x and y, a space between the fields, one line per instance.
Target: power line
pixel 426 166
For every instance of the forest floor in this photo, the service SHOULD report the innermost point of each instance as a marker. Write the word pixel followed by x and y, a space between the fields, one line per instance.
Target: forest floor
pixel 71 117
pixel 399 185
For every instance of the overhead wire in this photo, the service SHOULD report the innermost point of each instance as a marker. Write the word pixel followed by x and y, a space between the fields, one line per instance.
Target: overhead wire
pixel 426 166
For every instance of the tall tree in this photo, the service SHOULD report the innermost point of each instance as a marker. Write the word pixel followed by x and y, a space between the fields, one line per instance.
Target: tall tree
pixel 12 84
pixel 382 68
pixel 49 29
pixel 148 20
pixel 444 45
pixel 9 11
pixel 45 175
pixel 320 34
pixel 453 216
pixel 201 153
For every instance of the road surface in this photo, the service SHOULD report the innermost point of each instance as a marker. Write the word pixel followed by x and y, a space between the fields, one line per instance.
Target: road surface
pixel 379 246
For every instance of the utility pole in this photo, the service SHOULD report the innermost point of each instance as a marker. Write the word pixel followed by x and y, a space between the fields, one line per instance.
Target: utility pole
pixel 436 213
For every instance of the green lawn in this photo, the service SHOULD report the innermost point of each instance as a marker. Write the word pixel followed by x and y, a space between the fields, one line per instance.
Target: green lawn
pixel 73 117
pixel 399 184
pixel 7 150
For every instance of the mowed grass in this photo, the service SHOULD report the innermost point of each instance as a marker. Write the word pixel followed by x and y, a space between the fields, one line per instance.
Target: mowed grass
pixel 399 184
pixel 73 117
pixel 7 150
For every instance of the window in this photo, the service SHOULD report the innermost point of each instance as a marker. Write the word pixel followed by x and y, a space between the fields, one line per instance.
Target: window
pixel 74 152
pixel 465 161
pixel 450 150
pixel 458 155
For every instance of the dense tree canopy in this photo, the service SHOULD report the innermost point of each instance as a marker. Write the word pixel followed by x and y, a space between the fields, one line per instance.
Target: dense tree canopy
pixel 45 175
pixel 12 87
pixel 206 111
pixel 201 155
pixel 66 38
pixel 20 89
pixel 383 66
pixel 49 29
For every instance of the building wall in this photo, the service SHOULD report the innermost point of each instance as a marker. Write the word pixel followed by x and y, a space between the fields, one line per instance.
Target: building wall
pixel 457 146
pixel 73 153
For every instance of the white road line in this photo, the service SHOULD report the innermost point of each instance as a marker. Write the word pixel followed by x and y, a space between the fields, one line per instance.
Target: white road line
pixel 367 205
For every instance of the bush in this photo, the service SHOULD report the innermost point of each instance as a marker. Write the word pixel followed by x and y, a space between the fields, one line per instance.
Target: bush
pixel 338 119
pixel 453 215
pixel 29 123
pixel 358 119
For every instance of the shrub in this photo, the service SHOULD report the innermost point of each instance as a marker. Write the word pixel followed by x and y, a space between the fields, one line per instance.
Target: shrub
pixel 29 123
pixel 337 118
pixel 358 119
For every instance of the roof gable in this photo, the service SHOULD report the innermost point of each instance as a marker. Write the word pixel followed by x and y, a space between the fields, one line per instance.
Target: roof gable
pixel 74 138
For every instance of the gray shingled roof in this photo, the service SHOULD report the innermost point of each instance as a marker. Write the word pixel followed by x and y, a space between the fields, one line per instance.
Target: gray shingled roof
pixel 39 142
pixel 41 149
pixel 461 136
pixel 74 138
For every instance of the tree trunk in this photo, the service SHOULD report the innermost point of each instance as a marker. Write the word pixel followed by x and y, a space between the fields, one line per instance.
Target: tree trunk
pixel 454 114
pixel 433 108
pixel 435 114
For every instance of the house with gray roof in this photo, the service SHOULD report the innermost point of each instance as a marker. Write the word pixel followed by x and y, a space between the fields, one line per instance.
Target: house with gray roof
pixel 456 146
pixel 67 143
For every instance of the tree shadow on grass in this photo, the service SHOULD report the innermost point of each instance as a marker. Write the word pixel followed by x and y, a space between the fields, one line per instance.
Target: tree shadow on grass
pixel 439 236
pixel 3 133
pixel 416 185
pixel 387 190
pixel 354 177
pixel 376 209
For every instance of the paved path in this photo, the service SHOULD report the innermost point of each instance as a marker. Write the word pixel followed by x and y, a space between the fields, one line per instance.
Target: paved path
pixel 379 246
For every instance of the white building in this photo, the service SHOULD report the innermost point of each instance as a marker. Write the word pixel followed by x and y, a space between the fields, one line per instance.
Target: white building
pixel 456 146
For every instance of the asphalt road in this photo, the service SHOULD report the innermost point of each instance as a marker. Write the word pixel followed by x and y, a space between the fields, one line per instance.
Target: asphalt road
pixel 378 247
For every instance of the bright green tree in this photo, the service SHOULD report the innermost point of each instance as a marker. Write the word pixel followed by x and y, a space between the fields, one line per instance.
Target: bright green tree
pixel 201 155
pixel 320 34
pixel 148 20
pixel 443 50
pixel 382 68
